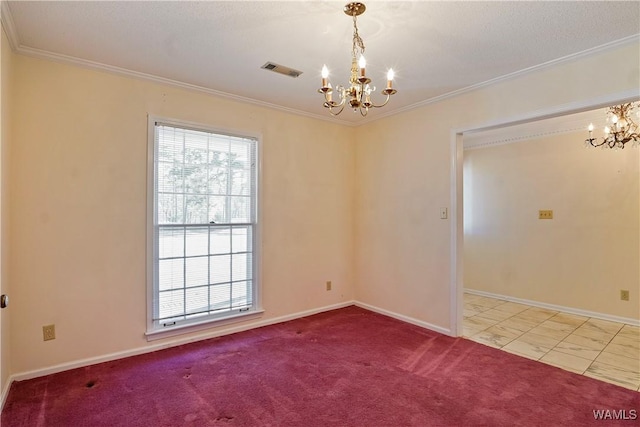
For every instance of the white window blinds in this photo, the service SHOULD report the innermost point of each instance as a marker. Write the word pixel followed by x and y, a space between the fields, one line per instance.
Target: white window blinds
pixel 204 225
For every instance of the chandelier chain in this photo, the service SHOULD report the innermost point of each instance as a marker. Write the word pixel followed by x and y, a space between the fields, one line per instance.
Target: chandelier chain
pixel 357 40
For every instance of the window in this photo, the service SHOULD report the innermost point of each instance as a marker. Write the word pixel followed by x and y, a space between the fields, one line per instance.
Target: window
pixel 203 239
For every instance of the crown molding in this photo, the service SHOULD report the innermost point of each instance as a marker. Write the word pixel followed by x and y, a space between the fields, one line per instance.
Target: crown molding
pixel 6 19
pixel 574 56
pixel 56 57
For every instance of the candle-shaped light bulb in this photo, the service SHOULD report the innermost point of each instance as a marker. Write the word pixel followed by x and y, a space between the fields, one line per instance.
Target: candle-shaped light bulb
pixel 362 63
pixel 607 130
pixel 325 75
pixel 614 119
pixel 390 76
pixel 590 127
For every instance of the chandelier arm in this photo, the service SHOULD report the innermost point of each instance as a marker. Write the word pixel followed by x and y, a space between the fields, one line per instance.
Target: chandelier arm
pixel 340 111
pixel 631 137
pixel 330 103
pixel 333 104
pixel 383 104
pixel 594 143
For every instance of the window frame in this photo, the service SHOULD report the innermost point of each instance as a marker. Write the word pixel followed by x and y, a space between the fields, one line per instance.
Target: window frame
pixel 154 330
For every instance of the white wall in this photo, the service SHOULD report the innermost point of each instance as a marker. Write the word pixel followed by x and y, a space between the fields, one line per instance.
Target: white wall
pixel 78 218
pixel 581 258
pixel 403 177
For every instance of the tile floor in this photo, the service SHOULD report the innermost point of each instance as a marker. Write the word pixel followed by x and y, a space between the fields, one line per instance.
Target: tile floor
pixel 608 351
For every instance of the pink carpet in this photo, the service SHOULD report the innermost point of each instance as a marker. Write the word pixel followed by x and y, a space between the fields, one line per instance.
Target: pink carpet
pixel 348 367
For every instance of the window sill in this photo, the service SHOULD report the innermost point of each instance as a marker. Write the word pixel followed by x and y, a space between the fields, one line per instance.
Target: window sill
pixel 185 328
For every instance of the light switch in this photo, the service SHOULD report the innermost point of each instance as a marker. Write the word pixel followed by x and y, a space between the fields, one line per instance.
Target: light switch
pixel 443 213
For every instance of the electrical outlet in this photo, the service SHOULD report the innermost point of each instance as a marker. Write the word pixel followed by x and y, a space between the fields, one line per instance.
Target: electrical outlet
pixel 545 214
pixel 49 332
pixel 624 295
pixel 328 285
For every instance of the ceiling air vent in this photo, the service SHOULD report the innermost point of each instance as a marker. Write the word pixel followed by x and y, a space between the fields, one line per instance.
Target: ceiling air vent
pixel 281 69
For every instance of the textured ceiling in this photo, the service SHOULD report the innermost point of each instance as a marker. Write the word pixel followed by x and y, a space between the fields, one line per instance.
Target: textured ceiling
pixel 435 47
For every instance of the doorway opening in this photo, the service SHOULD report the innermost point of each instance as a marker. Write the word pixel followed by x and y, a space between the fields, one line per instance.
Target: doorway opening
pixel 458 137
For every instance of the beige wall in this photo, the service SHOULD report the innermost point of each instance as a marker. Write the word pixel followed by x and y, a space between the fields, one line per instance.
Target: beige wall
pixel 6 75
pixel 358 206
pixel 579 259
pixel 403 177
pixel 78 220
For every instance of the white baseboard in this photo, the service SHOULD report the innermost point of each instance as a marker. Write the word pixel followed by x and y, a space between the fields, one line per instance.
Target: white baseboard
pixel 404 318
pixel 212 334
pixel 5 392
pixel 173 343
pixel 252 325
pixel 570 310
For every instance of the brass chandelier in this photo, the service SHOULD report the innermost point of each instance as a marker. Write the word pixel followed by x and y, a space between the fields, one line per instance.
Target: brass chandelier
pixel 622 128
pixel 358 94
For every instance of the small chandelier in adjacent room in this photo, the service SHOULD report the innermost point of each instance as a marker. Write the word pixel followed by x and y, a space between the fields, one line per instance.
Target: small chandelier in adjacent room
pixel 358 94
pixel 620 129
